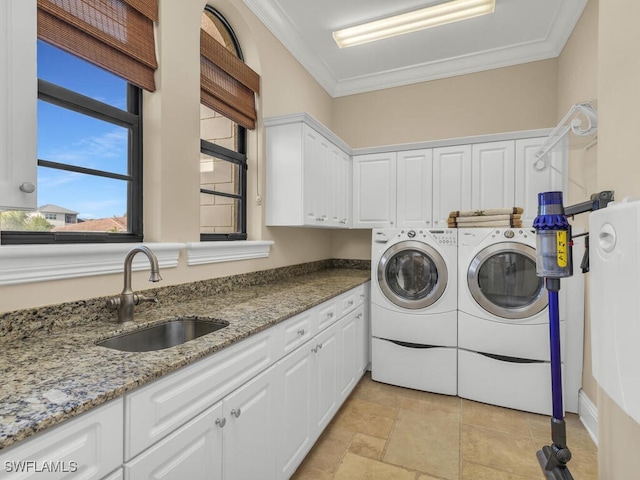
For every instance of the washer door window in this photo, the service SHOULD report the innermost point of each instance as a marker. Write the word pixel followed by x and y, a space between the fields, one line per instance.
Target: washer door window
pixel 502 279
pixel 412 274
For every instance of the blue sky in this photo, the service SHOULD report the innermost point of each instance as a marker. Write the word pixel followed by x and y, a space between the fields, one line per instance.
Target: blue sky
pixel 68 137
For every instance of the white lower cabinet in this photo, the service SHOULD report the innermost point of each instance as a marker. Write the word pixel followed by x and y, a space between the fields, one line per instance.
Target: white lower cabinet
pixel 87 447
pixel 248 449
pixel 295 416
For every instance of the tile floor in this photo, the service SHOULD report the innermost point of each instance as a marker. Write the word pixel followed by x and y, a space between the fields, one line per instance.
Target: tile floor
pixel 383 432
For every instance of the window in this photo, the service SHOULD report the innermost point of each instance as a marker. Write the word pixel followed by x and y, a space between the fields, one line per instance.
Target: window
pixel 227 110
pixel 89 155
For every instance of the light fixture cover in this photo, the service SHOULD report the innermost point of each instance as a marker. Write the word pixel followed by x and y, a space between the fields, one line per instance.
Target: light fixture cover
pixel 441 14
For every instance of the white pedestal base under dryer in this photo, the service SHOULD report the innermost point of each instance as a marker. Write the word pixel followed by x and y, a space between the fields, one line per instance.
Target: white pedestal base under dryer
pixel 430 369
pixel 414 308
pixel 522 386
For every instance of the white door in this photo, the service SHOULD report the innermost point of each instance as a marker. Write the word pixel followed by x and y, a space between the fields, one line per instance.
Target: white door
pixel 530 180
pixel 343 192
pixel 374 190
pixel 193 451
pixel 451 182
pixel 415 174
pixel 493 175
pixel 325 358
pixel 349 355
pixel 294 435
pixel 249 447
pixel 313 171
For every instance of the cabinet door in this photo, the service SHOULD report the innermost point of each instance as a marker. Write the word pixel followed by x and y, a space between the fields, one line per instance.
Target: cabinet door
pixel 343 185
pixel 362 341
pixel 18 97
pixel 374 190
pixel 349 354
pixel 492 175
pixel 451 182
pixel 312 185
pixel 531 181
pixel 193 451
pixel 415 176
pixel 250 413
pixel 294 435
pixel 87 447
pixel 325 349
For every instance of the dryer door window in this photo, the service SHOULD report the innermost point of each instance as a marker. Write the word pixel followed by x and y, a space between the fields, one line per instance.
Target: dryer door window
pixel 412 275
pixel 502 279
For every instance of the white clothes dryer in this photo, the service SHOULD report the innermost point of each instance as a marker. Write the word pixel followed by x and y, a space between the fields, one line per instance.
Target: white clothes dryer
pixel 503 321
pixel 414 308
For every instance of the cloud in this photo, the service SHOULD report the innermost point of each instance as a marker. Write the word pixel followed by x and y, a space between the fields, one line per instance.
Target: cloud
pixel 92 151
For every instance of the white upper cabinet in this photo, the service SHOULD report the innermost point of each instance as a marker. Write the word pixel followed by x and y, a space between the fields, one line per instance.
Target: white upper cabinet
pixel 492 175
pixel 530 181
pixel 374 190
pixel 414 195
pixel 18 97
pixel 308 175
pixel 451 182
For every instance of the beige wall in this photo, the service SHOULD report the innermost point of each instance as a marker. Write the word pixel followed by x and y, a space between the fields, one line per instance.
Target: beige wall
pixel 618 169
pixel 507 99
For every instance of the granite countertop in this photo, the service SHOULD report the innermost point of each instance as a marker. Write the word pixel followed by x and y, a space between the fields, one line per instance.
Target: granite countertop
pixel 55 371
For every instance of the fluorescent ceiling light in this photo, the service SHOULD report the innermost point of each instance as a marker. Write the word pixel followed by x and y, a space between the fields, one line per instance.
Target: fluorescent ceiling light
pixel 433 16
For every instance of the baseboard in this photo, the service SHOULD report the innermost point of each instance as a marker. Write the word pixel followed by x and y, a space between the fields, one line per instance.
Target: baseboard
pixel 588 413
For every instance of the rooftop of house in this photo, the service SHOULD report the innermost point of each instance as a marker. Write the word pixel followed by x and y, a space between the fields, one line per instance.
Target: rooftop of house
pixel 50 208
pixel 111 224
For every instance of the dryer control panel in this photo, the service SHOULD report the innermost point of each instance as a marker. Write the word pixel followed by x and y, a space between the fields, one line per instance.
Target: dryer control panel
pixel 446 237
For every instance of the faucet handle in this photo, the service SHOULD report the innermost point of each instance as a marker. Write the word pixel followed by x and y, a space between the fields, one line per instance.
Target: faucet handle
pixel 138 299
pixel 113 303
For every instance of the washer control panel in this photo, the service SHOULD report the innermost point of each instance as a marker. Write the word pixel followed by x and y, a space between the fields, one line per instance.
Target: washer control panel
pixel 445 237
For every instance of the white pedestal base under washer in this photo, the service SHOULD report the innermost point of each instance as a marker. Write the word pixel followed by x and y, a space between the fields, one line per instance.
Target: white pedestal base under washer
pixel 503 323
pixel 414 308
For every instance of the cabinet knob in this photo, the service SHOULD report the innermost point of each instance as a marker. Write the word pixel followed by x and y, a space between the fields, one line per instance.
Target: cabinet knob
pixel 301 332
pixel 330 315
pixel 236 412
pixel 221 422
pixel 27 187
pixel 350 303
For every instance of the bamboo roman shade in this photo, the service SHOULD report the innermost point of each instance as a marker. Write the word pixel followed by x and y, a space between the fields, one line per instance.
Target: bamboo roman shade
pixel 116 35
pixel 227 84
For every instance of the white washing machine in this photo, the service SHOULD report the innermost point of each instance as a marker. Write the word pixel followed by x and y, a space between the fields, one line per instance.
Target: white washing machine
pixel 414 308
pixel 503 322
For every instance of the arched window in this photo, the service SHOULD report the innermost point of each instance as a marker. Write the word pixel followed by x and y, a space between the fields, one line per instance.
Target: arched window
pixel 227 110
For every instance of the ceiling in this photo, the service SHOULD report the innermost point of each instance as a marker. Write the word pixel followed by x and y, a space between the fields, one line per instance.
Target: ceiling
pixel 519 31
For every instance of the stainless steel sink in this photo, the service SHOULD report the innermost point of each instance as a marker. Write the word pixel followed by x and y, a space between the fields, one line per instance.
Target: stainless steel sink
pixel 164 335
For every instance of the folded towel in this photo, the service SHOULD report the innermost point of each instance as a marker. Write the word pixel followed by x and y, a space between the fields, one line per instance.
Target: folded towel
pixel 488 211
pixel 516 223
pixel 484 218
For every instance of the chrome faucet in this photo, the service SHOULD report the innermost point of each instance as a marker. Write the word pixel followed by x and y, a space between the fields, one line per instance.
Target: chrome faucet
pixel 125 302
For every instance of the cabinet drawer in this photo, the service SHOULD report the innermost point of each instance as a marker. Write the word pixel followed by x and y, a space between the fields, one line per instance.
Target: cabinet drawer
pixel 157 409
pixel 90 444
pixel 299 329
pixel 351 300
pixel 327 313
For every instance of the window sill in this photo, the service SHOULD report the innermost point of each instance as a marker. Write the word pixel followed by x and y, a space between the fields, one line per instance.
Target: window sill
pixel 213 252
pixel 39 263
